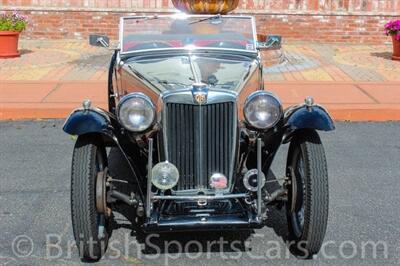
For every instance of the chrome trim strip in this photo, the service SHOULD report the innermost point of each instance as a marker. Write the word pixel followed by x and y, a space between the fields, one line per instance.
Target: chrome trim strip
pixel 259 176
pixel 185 96
pixel 200 180
pixel 121 33
pixel 168 50
pixel 196 77
pixel 184 52
pixel 202 197
pixel 235 147
pixel 149 176
pixel 252 71
pixel 261 71
pixel 164 111
pixel 255 39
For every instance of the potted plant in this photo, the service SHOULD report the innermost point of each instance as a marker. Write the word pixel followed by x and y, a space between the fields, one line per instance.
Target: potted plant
pixel 11 25
pixel 393 28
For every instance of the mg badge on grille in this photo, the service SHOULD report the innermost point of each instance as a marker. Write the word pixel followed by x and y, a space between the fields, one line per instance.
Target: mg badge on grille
pixel 200 97
pixel 200 91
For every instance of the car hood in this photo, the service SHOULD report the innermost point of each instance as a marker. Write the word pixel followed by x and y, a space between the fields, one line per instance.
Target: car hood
pixel 169 73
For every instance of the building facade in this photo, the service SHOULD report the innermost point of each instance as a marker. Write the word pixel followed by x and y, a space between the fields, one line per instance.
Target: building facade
pixel 358 21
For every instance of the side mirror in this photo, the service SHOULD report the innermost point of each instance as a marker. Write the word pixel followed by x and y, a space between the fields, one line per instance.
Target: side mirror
pixel 99 40
pixel 272 42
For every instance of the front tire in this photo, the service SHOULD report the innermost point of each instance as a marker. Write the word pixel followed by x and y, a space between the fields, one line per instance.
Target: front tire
pixel 308 201
pixel 91 228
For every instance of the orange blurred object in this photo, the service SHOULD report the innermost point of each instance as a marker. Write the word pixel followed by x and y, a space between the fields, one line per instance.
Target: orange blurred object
pixel 206 6
pixel 261 37
pixel 396 48
pixel 9 44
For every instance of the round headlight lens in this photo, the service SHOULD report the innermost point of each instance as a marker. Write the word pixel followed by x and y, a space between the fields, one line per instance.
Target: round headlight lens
pixel 136 112
pixel 262 110
pixel 164 175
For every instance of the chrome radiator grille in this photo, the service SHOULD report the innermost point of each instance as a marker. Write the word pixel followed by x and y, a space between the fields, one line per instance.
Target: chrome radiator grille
pixel 201 141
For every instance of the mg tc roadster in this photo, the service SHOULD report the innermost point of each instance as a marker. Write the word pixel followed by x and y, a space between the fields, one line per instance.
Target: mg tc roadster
pixel 189 115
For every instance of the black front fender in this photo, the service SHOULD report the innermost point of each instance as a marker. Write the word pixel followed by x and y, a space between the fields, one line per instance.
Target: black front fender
pixel 97 121
pixel 82 122
pixel 306 117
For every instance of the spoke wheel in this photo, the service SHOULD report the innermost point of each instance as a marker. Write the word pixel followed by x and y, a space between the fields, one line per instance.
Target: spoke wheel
pixel 307 207
pixel 90 220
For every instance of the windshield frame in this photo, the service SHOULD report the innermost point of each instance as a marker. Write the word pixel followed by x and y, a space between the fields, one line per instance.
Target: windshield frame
pixel 188 49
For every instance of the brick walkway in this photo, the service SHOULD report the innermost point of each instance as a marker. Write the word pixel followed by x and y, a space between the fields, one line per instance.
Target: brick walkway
pixel 355 82
pixel 64 60
pixel 76 60
pixel 329 62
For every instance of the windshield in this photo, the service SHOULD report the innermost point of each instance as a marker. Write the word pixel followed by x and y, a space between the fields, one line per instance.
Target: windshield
pixel 171 73
pixel 189 32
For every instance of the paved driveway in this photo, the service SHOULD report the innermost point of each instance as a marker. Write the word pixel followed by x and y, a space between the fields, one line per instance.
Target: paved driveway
pixel 364 173
pixel 63 60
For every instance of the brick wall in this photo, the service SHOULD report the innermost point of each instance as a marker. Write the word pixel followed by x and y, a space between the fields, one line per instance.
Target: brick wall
pixel 359 21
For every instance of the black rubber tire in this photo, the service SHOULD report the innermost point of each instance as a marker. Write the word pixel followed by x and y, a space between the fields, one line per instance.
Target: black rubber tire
pixel 87 151
pixel 316 195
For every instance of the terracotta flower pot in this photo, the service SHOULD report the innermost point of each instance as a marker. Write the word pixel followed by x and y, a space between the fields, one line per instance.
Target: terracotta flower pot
pixel 9 44
pixel 206 6
pixel 396 48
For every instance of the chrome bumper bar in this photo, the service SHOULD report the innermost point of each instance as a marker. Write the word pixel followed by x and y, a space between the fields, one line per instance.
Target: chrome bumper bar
pixel 201 197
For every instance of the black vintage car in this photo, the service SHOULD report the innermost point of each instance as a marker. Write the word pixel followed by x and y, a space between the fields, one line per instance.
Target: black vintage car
pixel 189 115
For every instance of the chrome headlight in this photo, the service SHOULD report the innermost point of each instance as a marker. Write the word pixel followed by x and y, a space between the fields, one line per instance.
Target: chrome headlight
pixel 136 112
pixel 262 110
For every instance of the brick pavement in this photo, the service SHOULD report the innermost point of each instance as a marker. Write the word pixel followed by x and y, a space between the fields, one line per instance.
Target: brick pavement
pixel 335 62
pixel 355 82
pixel 56 60
pixel 76 60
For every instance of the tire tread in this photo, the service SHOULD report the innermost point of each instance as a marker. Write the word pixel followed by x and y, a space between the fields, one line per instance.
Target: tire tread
pixel 83 209
pixel 317 191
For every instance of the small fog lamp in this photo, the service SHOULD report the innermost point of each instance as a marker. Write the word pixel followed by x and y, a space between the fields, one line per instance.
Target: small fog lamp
pixel 165 175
